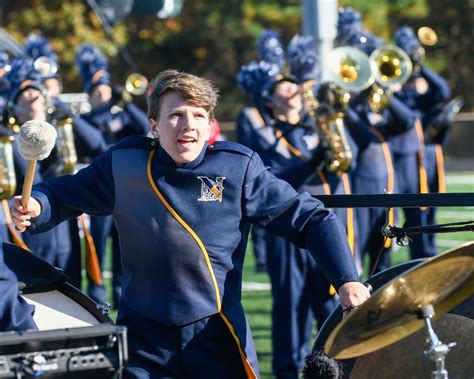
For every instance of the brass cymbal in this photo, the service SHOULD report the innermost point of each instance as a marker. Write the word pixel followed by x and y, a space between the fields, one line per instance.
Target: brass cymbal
pixel 390 314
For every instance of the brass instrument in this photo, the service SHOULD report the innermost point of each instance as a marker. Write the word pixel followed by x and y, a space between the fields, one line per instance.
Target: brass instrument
pixel 7 168
pixel 46 66
pixel 427 36
pixel 136 84
pixel 349 68
pixel 330 128
pixel 391 68
pixel 66 150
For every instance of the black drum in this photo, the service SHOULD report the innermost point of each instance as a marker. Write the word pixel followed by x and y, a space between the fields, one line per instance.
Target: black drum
pixel 405 358
pixel 58 305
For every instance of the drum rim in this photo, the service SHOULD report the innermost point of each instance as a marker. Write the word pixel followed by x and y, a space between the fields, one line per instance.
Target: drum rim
pixel 90 305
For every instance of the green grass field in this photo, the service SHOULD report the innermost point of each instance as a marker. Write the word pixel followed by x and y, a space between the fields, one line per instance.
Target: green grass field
pixel 258 303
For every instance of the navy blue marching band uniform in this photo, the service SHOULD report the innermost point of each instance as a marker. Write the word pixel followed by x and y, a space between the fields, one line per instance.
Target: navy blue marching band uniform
pixel 59 246
pixel 179 276
pixel 114 123
pixel 372 130
pixel 15 313
pixel 375 172
pixel 426 105
pixel 299 289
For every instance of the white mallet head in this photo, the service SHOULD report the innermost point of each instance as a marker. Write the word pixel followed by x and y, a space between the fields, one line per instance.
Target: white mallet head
pixel 37 139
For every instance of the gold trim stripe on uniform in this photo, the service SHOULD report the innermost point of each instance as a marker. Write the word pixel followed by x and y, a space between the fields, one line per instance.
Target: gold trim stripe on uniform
pixel 326 188
pixel 421 166
pixel 289 146
pixel 248 368
pixel 350 214
pixel 440 169
pixel 185 226
pixel 390 179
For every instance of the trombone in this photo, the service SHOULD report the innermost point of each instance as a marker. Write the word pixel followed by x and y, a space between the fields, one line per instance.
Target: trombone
pixel 349 68
pixel 391 67
pixel 136 85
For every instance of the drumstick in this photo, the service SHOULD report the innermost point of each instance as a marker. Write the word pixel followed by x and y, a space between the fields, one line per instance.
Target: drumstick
pixel 36 140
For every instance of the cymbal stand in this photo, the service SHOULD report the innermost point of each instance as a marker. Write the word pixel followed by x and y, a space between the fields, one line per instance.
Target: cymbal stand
pixel 437 350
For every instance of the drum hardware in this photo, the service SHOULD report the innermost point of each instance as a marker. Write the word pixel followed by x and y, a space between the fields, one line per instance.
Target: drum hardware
pixel 96 352
pixel 389 315
pixel 105 308
pixel 437 350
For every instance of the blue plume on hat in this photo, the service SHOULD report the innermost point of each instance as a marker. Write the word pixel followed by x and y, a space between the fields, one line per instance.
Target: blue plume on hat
pixel 4 61
pixel 254 76
pixel 303 58
pixel 37 46
pixel 22 76
pixel 92 65
pixel 364 41
pixel 406 39
pixel 348 21
pixel 270 48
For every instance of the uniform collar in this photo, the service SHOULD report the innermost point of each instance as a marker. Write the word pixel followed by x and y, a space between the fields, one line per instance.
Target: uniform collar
pixel 165 160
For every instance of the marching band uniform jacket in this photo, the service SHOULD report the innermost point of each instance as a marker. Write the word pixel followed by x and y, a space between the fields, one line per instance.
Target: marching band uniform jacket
pixel 116 123
pixel 15 313
pixel 183 230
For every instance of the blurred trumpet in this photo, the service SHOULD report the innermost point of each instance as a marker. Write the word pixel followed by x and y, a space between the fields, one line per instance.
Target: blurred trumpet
pixel 7 168
pixel 46 66
pixel 427 36
pixel 136 84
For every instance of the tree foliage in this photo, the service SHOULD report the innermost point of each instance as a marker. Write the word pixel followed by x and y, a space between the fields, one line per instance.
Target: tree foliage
pixel 214 38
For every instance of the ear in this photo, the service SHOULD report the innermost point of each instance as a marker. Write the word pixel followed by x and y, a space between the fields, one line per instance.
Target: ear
pixel 153 125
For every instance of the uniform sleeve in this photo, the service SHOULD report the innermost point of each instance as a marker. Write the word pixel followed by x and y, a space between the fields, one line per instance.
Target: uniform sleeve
pixel 88 139
pixel 244 129
pixel 439 88
pixel 15 313
pixel 90 191
pixel 139 120
pixel 358 129
pixel 301 219
pixel 400 117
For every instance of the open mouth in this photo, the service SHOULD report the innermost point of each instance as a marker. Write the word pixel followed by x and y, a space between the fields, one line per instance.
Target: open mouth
pixel 186 141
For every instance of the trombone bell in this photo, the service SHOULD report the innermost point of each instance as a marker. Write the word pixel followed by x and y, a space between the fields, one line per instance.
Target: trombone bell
pixel 349 68
pixel 427 36
pixel 136 84
pixel 46 66
pixel 390 65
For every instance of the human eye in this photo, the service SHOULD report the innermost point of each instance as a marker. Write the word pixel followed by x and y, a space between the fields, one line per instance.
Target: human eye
pixel 200 115
pixel 174 115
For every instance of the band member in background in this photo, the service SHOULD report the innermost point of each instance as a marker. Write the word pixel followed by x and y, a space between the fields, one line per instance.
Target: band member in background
pixel 284 135
pixel 272 52
pixel 116 119
pixel 27 101
pixel 425 93
pixel 88 141
pixel 183 210
pixel 372 125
